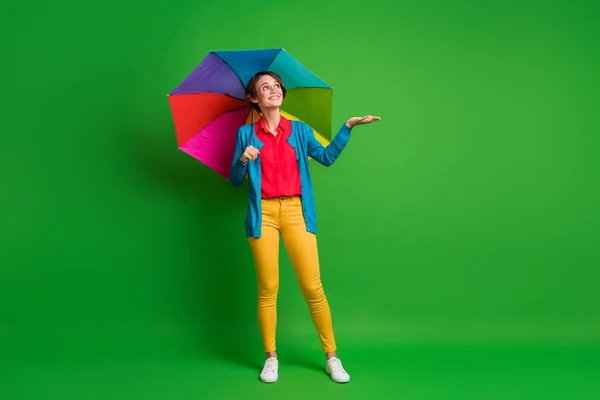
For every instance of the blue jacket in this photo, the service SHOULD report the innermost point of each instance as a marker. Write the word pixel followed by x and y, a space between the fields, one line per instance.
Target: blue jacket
pixel 306 145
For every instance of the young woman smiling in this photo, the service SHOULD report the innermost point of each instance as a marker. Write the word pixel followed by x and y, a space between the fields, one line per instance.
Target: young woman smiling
pixel 273 153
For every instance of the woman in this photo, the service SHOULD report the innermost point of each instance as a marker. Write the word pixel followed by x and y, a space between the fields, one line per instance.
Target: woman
pixel 273 153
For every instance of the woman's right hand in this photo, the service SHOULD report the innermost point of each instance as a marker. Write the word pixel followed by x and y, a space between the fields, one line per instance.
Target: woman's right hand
pixel 250 154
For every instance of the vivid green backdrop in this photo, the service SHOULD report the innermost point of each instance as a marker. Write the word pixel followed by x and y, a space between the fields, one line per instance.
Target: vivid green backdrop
pixel 458 236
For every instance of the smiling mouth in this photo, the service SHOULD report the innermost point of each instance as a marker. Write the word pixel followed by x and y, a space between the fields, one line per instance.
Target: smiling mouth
pixel 274 98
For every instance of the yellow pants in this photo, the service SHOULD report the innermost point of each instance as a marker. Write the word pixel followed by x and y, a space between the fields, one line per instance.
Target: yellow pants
pixel 284 216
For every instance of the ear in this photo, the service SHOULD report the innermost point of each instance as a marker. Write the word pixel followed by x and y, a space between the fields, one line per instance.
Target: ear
pixel 254 100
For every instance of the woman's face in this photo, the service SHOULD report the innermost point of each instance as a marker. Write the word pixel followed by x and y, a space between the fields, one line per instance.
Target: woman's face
pixel 269 92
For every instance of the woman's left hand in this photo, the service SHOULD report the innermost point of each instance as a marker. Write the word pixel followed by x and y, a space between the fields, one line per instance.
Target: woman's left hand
pixel 367 119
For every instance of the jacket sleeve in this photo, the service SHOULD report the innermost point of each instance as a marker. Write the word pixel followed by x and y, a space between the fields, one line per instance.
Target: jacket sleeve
pixel 327 155
pixel 238 168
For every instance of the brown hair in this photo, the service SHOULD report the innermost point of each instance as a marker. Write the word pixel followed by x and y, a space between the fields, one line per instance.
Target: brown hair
pixel 251 87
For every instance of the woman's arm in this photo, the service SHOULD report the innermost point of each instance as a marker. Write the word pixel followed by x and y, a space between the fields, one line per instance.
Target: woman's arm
pixel 327 155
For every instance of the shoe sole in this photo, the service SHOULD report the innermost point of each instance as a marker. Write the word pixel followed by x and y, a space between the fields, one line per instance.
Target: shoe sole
pixel 336 381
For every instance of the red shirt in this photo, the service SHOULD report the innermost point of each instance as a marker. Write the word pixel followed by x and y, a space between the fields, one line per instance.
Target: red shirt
pixel 278 163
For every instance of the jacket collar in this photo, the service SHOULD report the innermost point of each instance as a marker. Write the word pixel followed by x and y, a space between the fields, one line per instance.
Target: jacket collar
pixel 292 140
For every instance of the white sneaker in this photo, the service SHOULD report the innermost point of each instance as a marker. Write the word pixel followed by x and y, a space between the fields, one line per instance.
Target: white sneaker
pixel 336 370
pixel 269 372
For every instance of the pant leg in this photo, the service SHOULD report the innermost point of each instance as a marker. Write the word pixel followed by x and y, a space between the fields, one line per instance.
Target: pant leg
pixel 301 247
pixel 265 251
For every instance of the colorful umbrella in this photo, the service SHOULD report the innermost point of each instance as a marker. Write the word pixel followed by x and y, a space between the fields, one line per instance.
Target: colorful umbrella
pixel 208 105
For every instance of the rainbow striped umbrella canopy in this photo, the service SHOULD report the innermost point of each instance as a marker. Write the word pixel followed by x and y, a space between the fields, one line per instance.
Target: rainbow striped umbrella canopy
pixel 208 105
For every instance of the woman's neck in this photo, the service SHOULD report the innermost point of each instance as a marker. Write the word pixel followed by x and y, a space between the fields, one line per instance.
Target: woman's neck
pixel 271 119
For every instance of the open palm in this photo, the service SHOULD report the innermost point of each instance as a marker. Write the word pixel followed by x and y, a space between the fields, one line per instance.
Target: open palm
pixel 367 119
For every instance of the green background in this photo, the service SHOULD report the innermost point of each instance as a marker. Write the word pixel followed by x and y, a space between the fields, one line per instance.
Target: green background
pixel 458 236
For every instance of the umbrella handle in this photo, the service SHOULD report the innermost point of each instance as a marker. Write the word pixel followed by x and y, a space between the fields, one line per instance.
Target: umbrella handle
pixel 252 133
pixel 252 127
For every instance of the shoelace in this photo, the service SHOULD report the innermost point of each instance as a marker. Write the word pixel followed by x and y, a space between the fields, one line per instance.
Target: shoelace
pixel 337 366
pixel 270 365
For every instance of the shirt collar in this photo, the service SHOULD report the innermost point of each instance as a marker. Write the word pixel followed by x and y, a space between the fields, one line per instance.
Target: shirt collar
pixel 283 124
